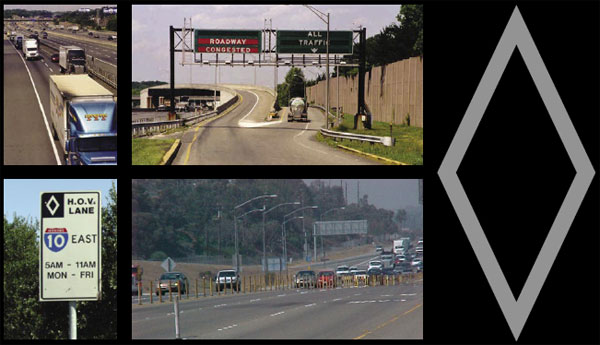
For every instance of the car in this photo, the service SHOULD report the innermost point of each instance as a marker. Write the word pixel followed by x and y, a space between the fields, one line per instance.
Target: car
pixel 54 58
pixel 417 261
pixel 360 275
pixel 227 279
pixel 374 271
pixel 134 287
pixel 305 279
pixel 96 36
pixel 379 249
pixel 112 37
pixel 419 249
pixel 342 270
pixel 326 279
pixel 375 264
pixel 399 259
pixel 352 268
pixel 387 260
pixel 90 33
pixel 388 271
pixel 404 268
pixel 419 267
pixel 44 34
pixel 177 279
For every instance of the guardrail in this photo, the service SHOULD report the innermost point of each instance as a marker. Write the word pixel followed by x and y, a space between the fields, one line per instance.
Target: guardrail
pixel 103 70
pixel 386 141
pixel 145 128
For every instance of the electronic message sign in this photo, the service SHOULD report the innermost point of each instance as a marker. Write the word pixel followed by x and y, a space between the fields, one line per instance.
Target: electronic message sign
pixel 313 42
pixel 70 246
pixel 227 41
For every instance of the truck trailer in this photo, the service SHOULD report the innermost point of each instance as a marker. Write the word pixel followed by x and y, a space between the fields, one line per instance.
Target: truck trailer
pixel 30 49
pixel 71 59
pixel 298 109
pixel 84 120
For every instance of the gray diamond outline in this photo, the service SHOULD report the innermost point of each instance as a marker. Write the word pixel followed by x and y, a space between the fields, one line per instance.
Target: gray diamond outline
pixel 516 35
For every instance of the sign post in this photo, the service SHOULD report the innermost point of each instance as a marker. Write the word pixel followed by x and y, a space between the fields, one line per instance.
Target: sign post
pixel 70 249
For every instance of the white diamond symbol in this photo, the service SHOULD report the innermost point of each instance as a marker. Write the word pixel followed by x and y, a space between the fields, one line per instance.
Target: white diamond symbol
pixel 516 310
pixel 56 205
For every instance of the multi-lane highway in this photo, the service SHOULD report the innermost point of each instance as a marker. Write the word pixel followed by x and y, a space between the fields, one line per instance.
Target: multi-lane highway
pixel 244 137
pixel 381 312
pixel 27 123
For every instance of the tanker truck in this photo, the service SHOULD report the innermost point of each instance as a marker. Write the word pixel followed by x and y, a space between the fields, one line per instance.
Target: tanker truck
pixel 298 109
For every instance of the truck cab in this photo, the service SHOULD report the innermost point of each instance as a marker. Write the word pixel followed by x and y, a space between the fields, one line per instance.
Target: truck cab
pixel 72 60
pixel 30 49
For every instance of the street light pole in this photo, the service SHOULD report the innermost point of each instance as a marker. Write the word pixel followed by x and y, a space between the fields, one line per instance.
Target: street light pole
pixel 265 266
pixel 321 220
pixel 284 241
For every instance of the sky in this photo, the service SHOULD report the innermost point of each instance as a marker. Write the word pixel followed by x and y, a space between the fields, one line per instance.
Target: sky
pixel 150 35
pixel 383 193
pixel 23 196
pixel 53 8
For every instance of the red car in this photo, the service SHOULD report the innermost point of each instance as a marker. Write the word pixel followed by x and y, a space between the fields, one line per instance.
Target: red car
pixel 325 279
pixel 54 57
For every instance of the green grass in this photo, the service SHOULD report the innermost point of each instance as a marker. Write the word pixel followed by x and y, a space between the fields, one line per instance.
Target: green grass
pixel 409 141
pixel 149 151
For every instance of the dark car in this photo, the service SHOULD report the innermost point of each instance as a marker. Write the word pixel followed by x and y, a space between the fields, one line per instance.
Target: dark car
pixel 44 34
pixel 404 268
pixel 374 271
pixel 96 36
pixel 54 58
pixel 305 279
pixel 90 33
pixel 177 279
pixel 388 271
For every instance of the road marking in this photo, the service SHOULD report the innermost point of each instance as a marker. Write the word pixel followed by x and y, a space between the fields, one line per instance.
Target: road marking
pixel 43 112
pixel 254 300
pixel 337 299
pixel 310 305
pixel 220 305
pixel 408 294
pixel 281 312
pixel 250 112
pixel 301 144
pixel 280 295
pixel 389 321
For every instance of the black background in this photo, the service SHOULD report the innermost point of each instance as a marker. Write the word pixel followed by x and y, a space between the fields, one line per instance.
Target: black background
pixel 515 172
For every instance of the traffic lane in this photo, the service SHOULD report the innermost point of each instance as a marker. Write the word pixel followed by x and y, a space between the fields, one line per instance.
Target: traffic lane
pixel 264 315
pixel 100 51
pixel 26 138
pixel 212 143
pixel 408 323
pixel 223 142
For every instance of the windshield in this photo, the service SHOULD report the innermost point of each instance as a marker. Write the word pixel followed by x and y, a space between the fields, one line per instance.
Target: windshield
pixel 169 276
pixel 307 273
pixel 97 144
pixel 227 274
pixel 77 57
pixel 375 263
pixel 31 49
pixel 326 274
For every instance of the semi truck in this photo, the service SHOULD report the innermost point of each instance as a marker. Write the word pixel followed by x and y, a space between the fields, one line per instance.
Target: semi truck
pixel 298 109
pixel 19 41
pixel 84 119
pixel 71 59
pixel 400 246
pixel 30 49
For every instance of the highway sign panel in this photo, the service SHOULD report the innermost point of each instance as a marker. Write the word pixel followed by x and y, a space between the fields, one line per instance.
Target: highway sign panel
pixel 70 246
pixel 341 227
pixel 313 42
pixel 168 264
pixel 227 41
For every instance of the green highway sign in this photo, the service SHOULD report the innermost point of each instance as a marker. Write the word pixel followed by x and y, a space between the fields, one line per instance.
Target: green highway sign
pixel 313 42
pixel 227 41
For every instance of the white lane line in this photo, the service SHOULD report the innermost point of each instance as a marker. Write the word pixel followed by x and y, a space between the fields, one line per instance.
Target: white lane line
pixel 251 110
pixel 301 144
pixel 280 295
pixel 408 294
pixel 337 299
pixel 42 110
pixel 254 300
pixel 310 305
pixel 281 312
pixel 220 305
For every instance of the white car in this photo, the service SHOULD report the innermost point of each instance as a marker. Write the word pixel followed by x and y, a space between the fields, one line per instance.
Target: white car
pixel 342 270
pixel 416 261
pixel 375 264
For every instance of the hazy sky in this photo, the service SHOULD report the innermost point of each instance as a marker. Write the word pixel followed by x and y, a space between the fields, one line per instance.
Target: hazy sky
pixel 150 35
pixel 386 194
pixel 23 196
pixel 53 8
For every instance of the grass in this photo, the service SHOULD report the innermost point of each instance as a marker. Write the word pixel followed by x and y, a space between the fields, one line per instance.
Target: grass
pixel 149 151
pixel 407 149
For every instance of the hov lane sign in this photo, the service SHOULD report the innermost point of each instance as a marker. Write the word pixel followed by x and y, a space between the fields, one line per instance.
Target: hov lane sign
pixel 70 246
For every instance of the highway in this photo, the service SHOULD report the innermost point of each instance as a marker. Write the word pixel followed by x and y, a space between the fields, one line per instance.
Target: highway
pixel 27 123
pixel 382 312
pixel 243 137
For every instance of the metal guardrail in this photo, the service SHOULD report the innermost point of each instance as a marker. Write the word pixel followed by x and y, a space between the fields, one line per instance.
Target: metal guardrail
pixel 103 70
pixel 145 128
pixel 386 141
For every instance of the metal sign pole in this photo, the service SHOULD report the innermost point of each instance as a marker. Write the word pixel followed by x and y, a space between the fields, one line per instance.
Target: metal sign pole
pixel 72 320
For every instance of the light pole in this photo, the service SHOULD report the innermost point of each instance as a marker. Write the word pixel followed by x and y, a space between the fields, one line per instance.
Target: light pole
pixel 265 266
pixel 284 242
pixel 322 16
pixel 237 254
pixel 321 219
pixel 296 210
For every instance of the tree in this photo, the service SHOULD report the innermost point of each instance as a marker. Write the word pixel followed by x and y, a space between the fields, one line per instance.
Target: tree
pixel 112 24
pixel 411 24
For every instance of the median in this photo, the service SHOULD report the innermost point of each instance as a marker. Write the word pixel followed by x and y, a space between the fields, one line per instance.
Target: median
pixel 149 151
pixel 408 149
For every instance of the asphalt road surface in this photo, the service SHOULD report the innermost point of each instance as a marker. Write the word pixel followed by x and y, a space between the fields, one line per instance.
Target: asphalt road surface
pixel 382 312
pixel 27 122
pixel 244 137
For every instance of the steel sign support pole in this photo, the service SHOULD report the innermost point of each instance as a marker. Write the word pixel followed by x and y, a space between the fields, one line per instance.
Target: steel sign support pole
pixel 327 113
pixel 72 320
pixel 172 58
pixel 315 240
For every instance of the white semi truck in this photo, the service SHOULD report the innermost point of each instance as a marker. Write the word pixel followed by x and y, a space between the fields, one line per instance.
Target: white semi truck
pixel 30 49
pixel 84 119
pixel 71 59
